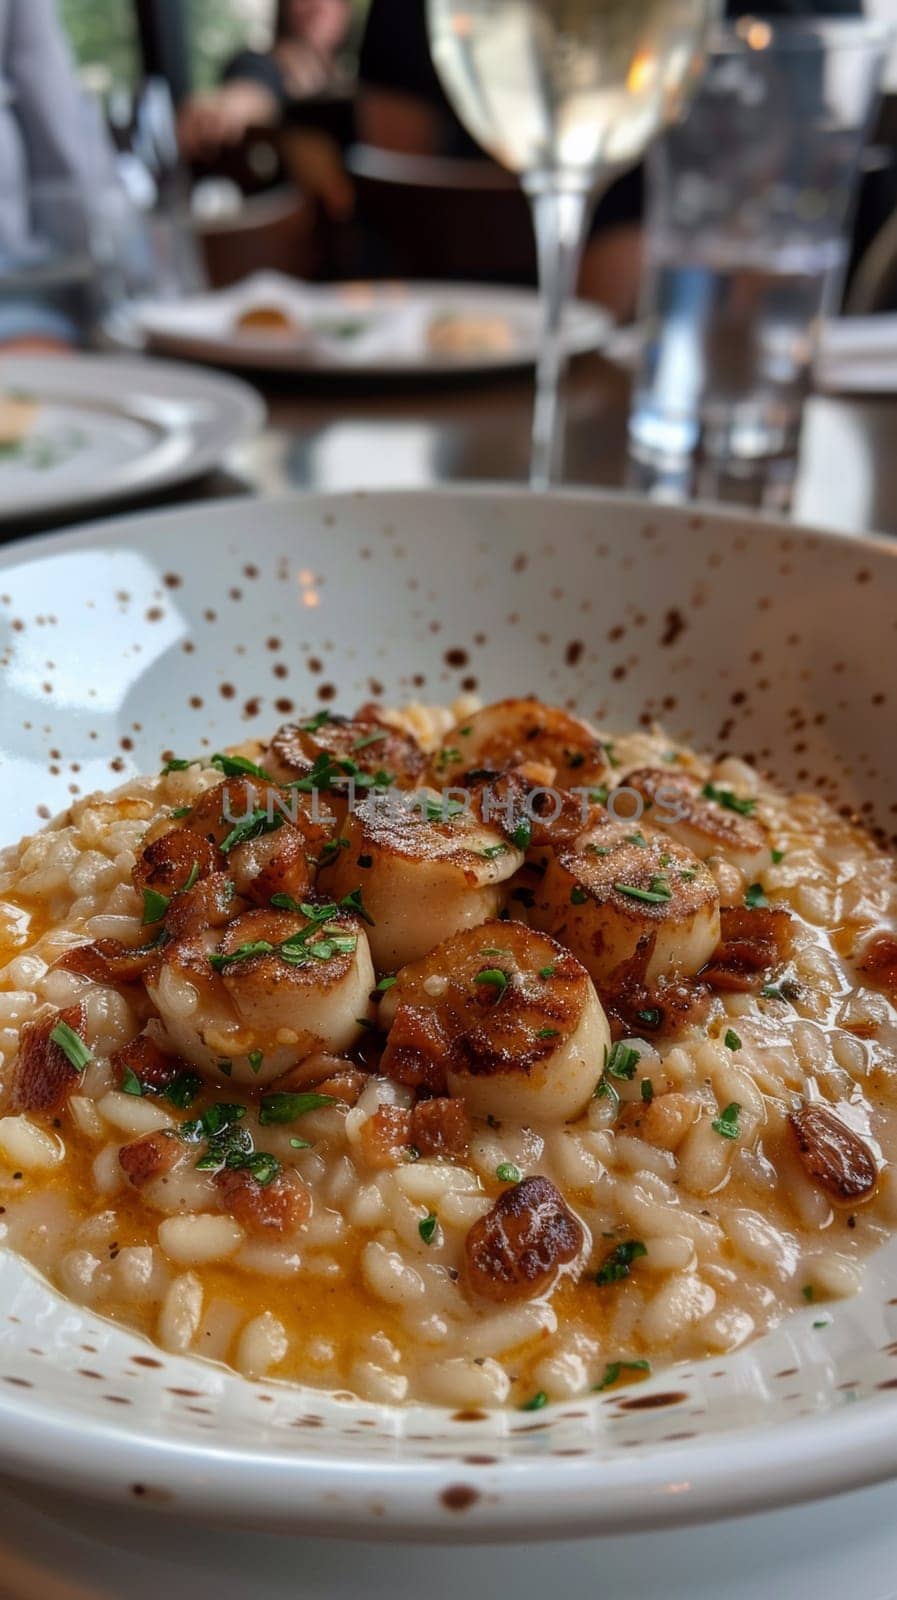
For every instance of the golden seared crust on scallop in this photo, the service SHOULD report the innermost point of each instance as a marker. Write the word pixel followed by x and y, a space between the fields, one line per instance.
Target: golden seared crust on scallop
pixel 621 896
pixel 423 873
pixel 523 733
pixel 375 748
pixel 266 992
pixel 505 1018
pixel 231 805
pixel 705 825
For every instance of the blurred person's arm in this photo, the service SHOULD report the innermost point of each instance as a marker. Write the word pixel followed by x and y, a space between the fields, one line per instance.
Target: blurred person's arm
pixel 59 138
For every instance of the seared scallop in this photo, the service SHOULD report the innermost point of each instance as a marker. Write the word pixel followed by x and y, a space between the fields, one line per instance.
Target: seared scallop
pixel 250 1002
pixel 333 750
pixel 425 869
pixel 513 733
pixel 629 903
pixel 708 820
pixel 502 1017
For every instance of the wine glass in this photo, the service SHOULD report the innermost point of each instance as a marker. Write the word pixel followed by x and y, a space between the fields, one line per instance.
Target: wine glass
pixel 567 93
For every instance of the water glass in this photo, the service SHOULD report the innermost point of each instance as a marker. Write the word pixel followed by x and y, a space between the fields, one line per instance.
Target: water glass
pixel 749 199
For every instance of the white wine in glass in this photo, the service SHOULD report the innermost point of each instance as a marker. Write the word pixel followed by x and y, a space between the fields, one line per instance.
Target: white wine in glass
pixel 567 93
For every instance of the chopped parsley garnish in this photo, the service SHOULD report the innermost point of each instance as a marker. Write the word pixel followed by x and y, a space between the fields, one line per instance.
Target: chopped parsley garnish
pixel 449 754
pixel 547 1033
pixel 606 1091
pixel 786 989
pixel 239 767
pixel 609 752
pixel 182 1090
pixel 223 1114
pixel 822 1323
pixel 657 892
pixel 647 1090
pixel 622 1061
pixel 427 1227
pixel 616 1266
pixel 652 1016
pixel 285 1107
pixel 731 1040
pixel 130 1083
pixel 637 838
pixel 370 738
pixel 384 984
pixel 507 1172
pixel 754 898
pixel 251 826
pixel 300 1144
pixel 181 811
pixel 494 976
pixel 255 1059
pixel 614 1370
pixel 72 1046
pixel 319 940
pixel 316 722
pixel 731 801
pixel 330 772
pixel 808 1292
pixel 599 796
pixel 777 856
pixel 726 1124
pixel 522 834
pixel 262 1166
pixel 578 896
pixel 191 880
pixel 547 972
pixel 494 850
pixel 330 849
pixel 176 764
pixel 535 1402
pixel 155 906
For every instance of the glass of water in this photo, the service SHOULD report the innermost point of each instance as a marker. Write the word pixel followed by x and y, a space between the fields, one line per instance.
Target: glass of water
pixel 746 245
pixel 567 93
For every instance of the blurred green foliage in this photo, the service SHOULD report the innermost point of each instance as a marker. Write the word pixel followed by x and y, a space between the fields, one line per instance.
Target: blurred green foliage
pixel 104 33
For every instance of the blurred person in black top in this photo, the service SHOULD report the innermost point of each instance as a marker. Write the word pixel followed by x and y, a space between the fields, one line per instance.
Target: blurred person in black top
pixel 260 88
pixel 402 106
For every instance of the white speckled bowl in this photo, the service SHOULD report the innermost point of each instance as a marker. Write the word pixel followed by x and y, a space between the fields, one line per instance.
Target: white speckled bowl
pixel 188 629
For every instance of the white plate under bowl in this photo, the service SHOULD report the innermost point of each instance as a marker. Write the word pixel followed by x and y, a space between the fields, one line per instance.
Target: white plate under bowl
pixel 110 429
pixel 390 319
pixel 187 629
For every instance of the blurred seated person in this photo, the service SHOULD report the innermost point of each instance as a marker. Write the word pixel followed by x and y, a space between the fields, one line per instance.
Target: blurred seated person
pixel 54 159
pixel 402 106
pixel 259 89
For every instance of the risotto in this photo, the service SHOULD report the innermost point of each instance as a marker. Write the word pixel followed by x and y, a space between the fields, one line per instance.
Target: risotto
pixel 464 1055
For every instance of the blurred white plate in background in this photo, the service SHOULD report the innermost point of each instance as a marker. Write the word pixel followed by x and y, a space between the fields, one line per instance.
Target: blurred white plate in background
pixel 78 432
pixel 372 329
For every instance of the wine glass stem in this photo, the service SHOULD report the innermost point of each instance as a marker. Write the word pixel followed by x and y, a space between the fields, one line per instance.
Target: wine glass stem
pixel 559 218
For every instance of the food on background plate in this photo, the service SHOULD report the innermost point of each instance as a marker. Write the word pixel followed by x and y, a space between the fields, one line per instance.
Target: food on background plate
pixel 268 319
pixel 465 1056
pixel 18 415
pixel 463 333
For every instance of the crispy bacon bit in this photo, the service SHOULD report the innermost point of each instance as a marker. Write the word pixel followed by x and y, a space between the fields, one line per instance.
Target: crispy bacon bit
pixel 440 1127
pixel 43 1077
pixel 168 863
pixel 275 863
pixel 526 795
pixel 754 945
pixel 416 1050
pixel 880 963
pixel 517 1248
pixel 150 1157
pixel 667 1008
pixel 833 1156
pixel 151 1065
pixel 276 1207
pixel 107 961
pixel 325 1075
pixel 385 1137
pixel 209 904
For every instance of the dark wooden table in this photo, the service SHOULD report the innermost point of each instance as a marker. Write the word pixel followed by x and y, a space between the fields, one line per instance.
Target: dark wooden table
pixel 327 436
pixel 336 438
